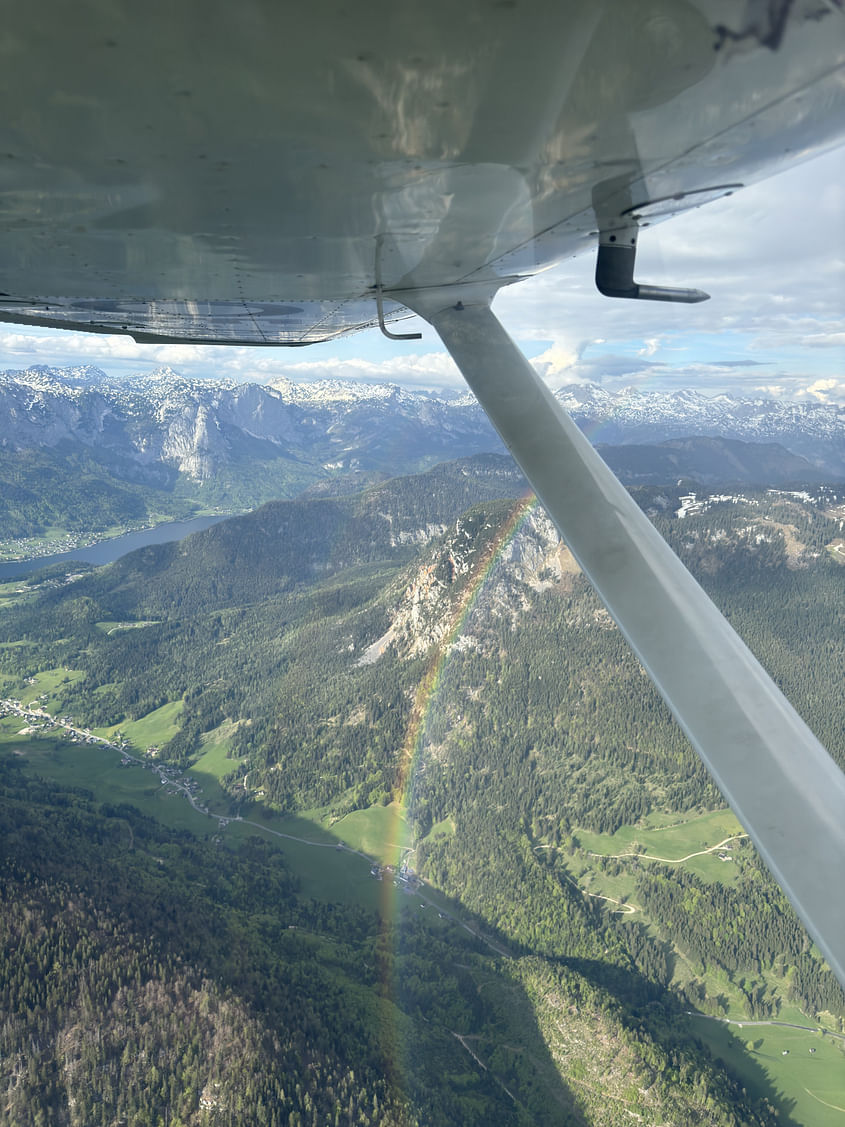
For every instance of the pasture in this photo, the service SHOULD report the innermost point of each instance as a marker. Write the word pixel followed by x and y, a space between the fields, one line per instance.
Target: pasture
pixel 99 770
pixel 152 730
pixel 688 838
pixel 45 690
pixel 380 832
pixel 766 1058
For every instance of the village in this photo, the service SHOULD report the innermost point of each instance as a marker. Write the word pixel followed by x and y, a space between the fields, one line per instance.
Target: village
pixel 39 720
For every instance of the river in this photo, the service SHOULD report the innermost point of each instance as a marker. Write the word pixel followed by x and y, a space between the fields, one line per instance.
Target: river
pixel 107 551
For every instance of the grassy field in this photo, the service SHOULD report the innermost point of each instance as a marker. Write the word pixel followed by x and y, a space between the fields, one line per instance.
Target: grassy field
pixel 10 593
pixel 325 871
pixel 99 770
pixel 112 627
pixel 9 726
pixel 811 1086
pixel 380 832
pixel 442 829
pixel 214 762
pixel 663 836
pixel 48 684
pixel 672 842
pixel 152 730
pixel 316 854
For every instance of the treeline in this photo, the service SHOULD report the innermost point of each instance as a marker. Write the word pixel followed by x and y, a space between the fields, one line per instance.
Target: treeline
pixel 748 927
pixel 144 976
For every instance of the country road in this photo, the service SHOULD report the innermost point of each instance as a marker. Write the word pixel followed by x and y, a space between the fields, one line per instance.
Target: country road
pixel 38 714
pixel 672 860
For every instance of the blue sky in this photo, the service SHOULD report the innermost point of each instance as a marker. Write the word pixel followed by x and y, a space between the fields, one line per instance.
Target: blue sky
pixel 772 256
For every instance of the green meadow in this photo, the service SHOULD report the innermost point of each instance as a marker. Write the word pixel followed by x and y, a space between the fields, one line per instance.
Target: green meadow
pixel 766 1058
pixel 444 828
pixel 662 837
pixel 10 593
pixel 323 857
pixel 112 627
pixel 675 843
pixel 326 870
pixel 152 730
pixel 324 867
pixel 45 691
pixel 99 770
pixel 214 764
pixel 380 832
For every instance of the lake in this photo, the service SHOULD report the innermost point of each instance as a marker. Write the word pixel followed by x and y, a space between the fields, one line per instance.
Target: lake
pixel 107 551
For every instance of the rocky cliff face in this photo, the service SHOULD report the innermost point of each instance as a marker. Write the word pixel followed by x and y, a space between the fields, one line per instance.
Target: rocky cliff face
pixel 201 427
pixel 475 564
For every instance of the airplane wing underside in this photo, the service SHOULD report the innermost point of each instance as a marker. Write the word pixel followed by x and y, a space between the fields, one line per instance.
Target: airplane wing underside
pixel 203 322
pixel 255 176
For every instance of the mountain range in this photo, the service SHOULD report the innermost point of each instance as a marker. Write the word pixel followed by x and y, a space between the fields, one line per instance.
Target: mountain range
pixel 198 426
pixel 86 455
pixel 281 667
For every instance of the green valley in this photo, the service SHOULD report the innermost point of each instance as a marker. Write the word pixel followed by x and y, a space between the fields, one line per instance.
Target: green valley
pixel 347 683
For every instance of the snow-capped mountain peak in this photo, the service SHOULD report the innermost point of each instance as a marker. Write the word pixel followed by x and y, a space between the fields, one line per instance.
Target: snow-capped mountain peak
pixel 199 425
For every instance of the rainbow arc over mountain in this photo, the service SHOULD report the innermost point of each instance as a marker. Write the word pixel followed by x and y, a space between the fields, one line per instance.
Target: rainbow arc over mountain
pixel 431 693
pixel 429 688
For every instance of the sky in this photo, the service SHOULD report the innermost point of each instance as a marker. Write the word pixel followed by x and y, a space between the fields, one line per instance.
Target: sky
pixel 772 256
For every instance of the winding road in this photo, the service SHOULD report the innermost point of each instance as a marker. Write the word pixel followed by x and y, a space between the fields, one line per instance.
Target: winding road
pixel 672 860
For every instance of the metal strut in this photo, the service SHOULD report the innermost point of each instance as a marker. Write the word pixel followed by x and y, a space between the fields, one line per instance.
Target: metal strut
pixel 782 784
pixel 615 271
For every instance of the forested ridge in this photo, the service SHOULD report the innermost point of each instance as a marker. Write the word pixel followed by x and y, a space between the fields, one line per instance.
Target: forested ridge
pixel 81 490
pixel 542 727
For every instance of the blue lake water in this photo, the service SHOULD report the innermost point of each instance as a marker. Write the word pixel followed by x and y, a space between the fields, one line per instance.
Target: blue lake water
pixel 107 551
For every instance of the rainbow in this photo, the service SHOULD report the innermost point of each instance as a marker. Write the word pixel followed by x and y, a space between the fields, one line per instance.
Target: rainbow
pixel 425 697
pixel 430 683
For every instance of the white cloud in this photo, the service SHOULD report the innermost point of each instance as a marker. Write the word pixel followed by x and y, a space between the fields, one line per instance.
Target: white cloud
pixel 771 391
pixel 431 370
pixel 557 365
pixel 773 259
pixel 825 391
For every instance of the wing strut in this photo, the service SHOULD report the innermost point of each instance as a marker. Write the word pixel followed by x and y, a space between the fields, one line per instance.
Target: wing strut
pixel 782 784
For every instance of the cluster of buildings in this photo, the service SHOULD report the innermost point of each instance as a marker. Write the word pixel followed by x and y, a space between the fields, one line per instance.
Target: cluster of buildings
pixel 39 720
pixel 403 877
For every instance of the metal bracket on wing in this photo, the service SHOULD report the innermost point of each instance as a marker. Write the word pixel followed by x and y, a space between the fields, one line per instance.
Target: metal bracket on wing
pixel 380 299
pixel 618 231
